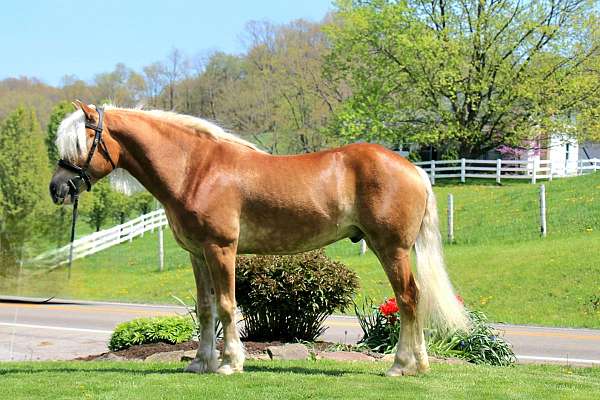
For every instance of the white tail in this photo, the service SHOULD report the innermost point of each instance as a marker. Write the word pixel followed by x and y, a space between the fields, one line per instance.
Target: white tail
pixel 437 302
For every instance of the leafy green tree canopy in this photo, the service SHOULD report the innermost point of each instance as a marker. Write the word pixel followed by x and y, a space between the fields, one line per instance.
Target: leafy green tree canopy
pixel 469 75
pixel 59 112
pixel 97 204
pixel 24 176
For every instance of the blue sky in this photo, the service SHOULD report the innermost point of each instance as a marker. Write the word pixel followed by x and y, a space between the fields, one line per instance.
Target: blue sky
pixel 48 39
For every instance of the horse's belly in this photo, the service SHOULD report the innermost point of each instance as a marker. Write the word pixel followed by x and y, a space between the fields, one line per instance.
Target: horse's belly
pixel 289 238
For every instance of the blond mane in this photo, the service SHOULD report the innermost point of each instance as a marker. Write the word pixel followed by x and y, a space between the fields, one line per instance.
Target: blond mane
pixel 196 124
pixel 72 142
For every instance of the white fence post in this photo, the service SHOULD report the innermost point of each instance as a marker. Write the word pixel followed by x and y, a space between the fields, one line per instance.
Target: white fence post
pixel 450 218
pixel 463 171
pixel 534 172
pixel 549 170
pixel 161 249
pixel 432 168
pixel 498 170
pixel 543 210
pixel 363 246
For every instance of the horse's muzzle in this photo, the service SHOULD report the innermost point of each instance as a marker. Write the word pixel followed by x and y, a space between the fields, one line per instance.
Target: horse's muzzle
pixel 59 192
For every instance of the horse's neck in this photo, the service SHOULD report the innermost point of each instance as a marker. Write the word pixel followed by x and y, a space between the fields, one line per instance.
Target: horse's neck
pixel 156 154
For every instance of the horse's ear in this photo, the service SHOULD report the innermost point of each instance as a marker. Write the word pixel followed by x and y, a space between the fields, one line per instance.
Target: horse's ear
pixel 90 113
pixel 75 105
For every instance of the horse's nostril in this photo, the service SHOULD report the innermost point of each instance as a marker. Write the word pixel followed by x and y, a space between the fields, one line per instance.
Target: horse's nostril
pixel 55 192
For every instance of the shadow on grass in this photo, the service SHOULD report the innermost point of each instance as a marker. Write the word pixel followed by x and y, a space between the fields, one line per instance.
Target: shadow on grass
pixel 316 370
pixel 8 371
pixel 304 370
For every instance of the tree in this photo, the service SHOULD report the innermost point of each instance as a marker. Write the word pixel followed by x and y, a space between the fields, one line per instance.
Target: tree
pixel 121 206
pixel 465 75
pixel 281 99
pixel 97 204
pixel 143 202
pixel 122 86
pixel 154 78
pixel 29 92
pixel 24 176
pixel 59 112
pixel 173 69
pixel 74 88
pixel 307 98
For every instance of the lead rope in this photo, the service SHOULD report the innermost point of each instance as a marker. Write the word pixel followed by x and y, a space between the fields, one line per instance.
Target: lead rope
pixel 75 198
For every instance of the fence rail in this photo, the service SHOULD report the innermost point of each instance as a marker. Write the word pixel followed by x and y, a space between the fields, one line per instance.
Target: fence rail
pixel 101 240
pixel 503 169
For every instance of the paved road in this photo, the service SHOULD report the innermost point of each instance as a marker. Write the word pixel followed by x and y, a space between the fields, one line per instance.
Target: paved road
pixel 67 329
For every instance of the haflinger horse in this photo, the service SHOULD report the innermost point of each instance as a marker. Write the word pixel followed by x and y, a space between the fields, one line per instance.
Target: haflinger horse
pixel 223 196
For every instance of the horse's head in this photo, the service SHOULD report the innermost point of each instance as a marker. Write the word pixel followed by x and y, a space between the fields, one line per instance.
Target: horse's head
pixel 88 153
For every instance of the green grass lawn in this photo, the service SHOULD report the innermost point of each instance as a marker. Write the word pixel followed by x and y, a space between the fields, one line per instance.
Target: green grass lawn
pixel 291 380
pixel 498 262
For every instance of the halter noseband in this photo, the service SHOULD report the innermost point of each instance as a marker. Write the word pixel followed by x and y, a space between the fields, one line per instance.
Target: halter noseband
pixel 81 172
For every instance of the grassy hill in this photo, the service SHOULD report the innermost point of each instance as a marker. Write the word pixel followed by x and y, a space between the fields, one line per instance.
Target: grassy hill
pixel 498 262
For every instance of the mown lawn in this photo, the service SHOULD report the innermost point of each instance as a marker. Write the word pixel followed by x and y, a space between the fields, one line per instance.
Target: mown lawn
pixel 499 264
pixel 291 380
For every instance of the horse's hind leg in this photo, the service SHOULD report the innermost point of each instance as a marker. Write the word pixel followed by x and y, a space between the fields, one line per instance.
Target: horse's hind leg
pixel 207 356
pixel 221 261
pixel 411 352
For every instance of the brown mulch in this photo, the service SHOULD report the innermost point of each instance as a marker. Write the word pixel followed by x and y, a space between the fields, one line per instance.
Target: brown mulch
pixel 140 352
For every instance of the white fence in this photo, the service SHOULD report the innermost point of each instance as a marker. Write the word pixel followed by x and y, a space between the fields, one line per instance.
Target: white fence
pixel 101 240
pixel 587 166
pixel 531 170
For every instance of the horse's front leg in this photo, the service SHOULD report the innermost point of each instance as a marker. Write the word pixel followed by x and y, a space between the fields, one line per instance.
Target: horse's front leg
pixel 207 356
pixel 221 261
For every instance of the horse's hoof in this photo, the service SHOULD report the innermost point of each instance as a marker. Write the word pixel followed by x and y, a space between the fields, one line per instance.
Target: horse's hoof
pixel 423 368
pixel 401 371
pixel 199 367
pixel 228 370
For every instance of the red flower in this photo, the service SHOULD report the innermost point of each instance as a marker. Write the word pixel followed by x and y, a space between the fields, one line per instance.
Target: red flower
pixel 389 307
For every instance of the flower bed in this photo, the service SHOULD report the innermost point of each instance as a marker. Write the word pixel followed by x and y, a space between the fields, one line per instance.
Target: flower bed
pixel 481 345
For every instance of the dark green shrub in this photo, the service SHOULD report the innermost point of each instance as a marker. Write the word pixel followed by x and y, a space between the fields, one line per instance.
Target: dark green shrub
pixel 287 298
pixel 172 330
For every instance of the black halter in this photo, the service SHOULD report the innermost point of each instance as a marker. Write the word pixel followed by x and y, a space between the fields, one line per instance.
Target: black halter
pixel 82 174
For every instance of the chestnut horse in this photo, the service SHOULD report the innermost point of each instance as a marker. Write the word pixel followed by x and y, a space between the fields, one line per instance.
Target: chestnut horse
pixel 223 196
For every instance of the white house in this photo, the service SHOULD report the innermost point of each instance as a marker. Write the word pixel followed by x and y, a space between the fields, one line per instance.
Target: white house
pixel 565 154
